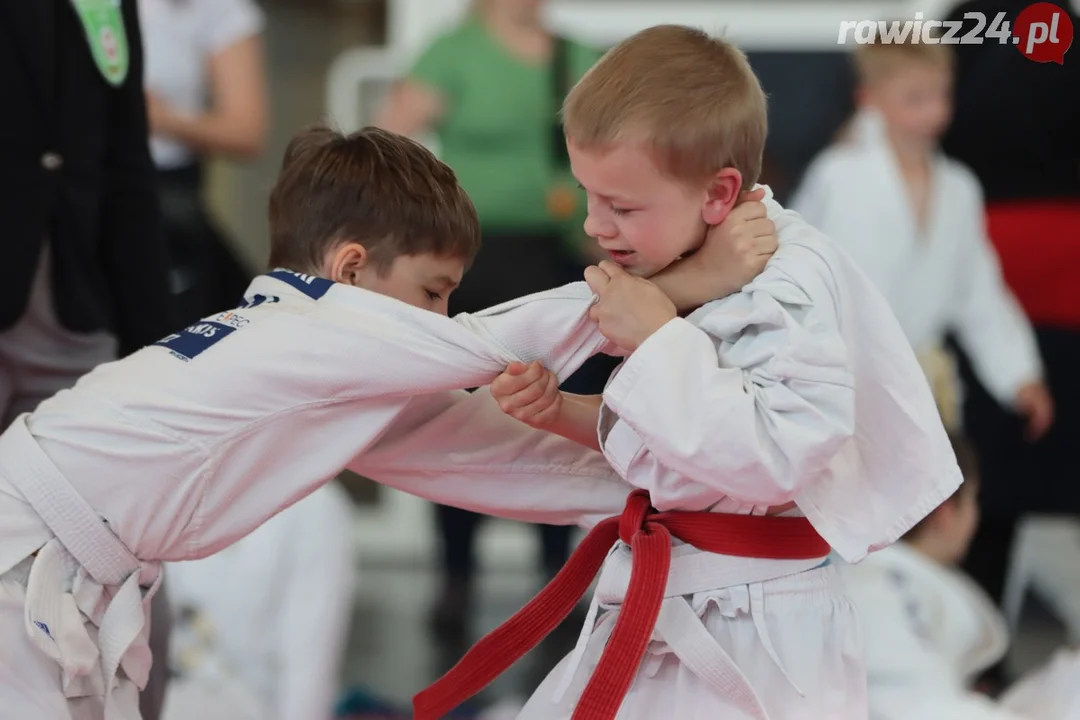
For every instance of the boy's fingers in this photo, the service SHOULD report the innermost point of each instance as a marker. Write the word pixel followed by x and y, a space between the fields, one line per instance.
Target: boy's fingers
pixel 750 211
pixel 530 395
pixel 516 377
pixel 548 404
pixel 755 195
pixel 611 269
pixel 597 279
pixel 766 246
pixel 762 227
pixel 514 397
pixel 535 372
pixel 546 415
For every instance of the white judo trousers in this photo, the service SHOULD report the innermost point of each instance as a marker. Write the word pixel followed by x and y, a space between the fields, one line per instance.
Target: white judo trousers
pixel 783 649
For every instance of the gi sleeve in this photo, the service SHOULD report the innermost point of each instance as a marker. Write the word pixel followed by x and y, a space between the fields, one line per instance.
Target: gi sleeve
pixel 757 399
pixel 990 323
pixel 316 609
pixel 460 449
pixel 551 326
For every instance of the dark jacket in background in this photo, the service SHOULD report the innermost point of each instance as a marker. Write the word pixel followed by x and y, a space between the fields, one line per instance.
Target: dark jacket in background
pixel 1017 122
pixel 75 169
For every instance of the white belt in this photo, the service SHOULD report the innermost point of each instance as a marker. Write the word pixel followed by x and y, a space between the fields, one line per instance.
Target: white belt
pixel 678 625
pixel 84 572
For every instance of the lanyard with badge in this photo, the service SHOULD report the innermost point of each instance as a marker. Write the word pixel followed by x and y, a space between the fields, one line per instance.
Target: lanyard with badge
pixel 104 26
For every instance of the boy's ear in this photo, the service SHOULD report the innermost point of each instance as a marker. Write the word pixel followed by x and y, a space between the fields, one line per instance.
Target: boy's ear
pixel 721 195
pixel 349 263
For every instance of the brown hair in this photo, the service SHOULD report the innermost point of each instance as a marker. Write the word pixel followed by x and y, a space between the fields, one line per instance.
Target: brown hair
pixel 969 468
pixel 877 60
pixel 692 99
pixel 382 190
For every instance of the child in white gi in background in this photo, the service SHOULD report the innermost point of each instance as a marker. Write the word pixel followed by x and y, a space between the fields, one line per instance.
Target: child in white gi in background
pixel 929 630
pixel 793 416
pixel 345 360
pixel 260 628
pixel 913 220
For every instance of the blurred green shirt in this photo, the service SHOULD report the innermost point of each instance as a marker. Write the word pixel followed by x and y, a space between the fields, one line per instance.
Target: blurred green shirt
pixel 497 132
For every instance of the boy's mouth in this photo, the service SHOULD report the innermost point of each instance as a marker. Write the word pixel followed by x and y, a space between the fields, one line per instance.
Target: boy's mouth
pixel 622 257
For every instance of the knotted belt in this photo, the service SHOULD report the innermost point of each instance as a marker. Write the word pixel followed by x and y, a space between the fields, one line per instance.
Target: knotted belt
pixel 648 533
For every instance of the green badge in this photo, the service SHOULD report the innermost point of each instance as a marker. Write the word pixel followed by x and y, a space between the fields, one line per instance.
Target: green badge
pixel 104 26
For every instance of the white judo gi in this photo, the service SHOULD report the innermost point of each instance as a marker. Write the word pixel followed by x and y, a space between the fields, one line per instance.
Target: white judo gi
pixel 944 277
pixel 261 626
pixel 929 631
pixel 188 445
pixel 801 388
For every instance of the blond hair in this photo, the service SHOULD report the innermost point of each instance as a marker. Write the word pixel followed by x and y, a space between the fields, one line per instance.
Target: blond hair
pixel 691 99
pixel 875 61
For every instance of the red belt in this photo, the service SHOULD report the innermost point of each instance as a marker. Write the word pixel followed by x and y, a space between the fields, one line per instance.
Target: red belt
pixel 648 533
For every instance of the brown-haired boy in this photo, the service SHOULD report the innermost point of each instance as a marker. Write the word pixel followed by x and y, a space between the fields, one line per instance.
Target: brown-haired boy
pixel 186 446
pixel 914 221
pixel 792 415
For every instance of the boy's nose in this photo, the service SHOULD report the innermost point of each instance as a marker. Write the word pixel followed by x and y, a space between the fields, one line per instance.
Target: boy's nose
pixel 596 229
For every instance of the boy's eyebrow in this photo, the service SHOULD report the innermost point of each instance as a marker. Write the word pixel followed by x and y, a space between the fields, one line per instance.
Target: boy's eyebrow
pixel 445 280
pixel 608 198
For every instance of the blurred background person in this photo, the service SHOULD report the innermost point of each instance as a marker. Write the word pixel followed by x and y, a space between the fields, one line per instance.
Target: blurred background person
pixel 261 626
pixel 929 630
pixel 914 221
pixel 206 99
pixel 84 267
pixel 1015 126
pixel 84 272
pixel 490 90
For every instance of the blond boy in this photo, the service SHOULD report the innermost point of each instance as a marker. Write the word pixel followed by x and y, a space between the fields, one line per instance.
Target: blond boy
pixel 792 415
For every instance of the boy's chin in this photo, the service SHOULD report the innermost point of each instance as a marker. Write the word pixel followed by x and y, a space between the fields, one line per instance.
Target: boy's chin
pixel 648 271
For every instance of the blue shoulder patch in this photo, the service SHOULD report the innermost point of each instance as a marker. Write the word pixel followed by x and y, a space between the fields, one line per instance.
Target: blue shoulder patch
pixel 195 339
pixel 313 287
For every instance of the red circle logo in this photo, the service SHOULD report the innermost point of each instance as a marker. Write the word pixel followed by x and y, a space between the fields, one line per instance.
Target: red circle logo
pixel 1043 32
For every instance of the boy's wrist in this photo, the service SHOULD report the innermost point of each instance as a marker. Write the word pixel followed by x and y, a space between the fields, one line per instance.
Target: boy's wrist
pixel 690 284
pixel 650 328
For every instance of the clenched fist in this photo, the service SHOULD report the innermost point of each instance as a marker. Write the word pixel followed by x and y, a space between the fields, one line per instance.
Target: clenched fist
pixel 629 309
pixel 737 250
pixel 529 393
